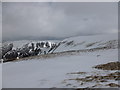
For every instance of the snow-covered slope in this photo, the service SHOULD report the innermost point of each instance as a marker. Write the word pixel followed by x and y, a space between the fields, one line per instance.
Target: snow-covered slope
pixel 53 72
pixel 88 42
pixel 40 73
pixel 0 76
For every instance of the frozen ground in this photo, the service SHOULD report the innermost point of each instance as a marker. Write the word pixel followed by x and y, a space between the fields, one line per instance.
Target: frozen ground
pixel 55 72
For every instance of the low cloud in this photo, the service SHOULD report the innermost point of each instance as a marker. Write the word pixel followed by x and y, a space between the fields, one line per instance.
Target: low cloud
pixel 57 20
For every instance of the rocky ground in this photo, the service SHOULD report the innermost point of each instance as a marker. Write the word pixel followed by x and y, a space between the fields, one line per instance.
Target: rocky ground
pixel 109 66
pixel 97 77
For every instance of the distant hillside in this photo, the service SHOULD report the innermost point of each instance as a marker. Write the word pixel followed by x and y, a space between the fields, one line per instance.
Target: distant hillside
pixel 88 42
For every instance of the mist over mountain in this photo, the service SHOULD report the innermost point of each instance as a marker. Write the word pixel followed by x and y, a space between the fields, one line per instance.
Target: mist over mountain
pixel 44 20
pixel 31 38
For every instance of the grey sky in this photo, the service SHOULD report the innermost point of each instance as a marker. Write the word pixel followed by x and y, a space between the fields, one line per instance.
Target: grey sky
pixel 58 20
pixel 0 22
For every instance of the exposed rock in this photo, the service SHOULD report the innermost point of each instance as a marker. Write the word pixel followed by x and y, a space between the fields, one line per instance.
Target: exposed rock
pixel 29 49
pixel 113 85
pixel 6 48
pixel 98 78
pixel 109 66
pixel 91 44
pixel 77 73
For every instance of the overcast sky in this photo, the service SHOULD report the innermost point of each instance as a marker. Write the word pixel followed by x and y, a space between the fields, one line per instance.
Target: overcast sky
pixel 58 20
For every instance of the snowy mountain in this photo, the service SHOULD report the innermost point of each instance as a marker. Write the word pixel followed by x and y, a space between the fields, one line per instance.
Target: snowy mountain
pixel 88 42
pixel 70 66
pixel 11 51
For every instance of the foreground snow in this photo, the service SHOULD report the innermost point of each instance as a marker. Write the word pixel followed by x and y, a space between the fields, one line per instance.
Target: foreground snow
pixel 0 76
pixel 48 73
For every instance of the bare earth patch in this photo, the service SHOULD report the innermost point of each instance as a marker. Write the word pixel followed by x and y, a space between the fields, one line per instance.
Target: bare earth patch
pixel 112 76
pixel 100 80
pixel 77 73
pixel 97 88
pixel 113 85
pixel 109 66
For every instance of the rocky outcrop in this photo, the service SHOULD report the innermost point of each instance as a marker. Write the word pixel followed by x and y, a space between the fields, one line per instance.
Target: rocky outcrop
pixel 29 49
pixel 5 48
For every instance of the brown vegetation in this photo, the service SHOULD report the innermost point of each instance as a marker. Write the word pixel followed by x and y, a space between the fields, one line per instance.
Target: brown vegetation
pixel 109 66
